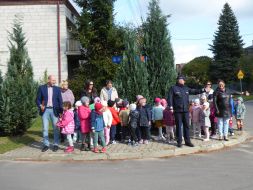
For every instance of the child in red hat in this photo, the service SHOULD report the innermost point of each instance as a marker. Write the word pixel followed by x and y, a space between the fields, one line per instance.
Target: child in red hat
pixel 97 126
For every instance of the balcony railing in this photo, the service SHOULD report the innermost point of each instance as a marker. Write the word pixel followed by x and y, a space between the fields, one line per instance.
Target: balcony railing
pixel 73 47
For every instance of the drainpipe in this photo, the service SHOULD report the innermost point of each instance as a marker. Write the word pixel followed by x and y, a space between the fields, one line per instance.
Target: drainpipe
pixel 58 42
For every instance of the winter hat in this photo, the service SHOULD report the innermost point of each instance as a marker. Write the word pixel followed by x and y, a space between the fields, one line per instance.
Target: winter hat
pixel 98 107
pixel 196 101
pixel 110 103
pixel 125 103
pixel 78 103
pixel 240 99
pixel 97 100
pixel 104 103
pixel 157 100
pixel 85 99
pixel 138 97
pixel 206 104
pixel 132 107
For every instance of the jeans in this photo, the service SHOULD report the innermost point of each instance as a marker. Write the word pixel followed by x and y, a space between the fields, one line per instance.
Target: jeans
pixel 70 140
pixel 223 124
pixel 113 131
pixel 46 117
pixel 96 135
pixel 85 138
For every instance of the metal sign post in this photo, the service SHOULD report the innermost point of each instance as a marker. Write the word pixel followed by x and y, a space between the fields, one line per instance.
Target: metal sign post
pixel 240 76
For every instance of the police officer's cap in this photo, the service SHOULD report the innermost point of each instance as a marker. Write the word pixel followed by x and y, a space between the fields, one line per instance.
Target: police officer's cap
pixel 180 77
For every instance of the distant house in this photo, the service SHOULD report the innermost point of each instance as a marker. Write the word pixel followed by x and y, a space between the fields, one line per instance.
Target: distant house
pixel 179 67
pixel 47 25
pixel 249 50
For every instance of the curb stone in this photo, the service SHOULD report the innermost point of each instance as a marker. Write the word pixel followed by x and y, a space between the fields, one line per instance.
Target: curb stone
pixel 110 156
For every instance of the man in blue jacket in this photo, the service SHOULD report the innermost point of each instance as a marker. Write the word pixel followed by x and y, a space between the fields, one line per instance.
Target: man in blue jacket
pixel 49 102
pixel 178 101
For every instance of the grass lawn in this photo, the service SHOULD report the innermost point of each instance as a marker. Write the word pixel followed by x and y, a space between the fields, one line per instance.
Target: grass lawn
pixel 246 98
pixel 33 134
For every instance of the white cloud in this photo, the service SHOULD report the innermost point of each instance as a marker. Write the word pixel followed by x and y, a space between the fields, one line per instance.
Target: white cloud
pixel 185 53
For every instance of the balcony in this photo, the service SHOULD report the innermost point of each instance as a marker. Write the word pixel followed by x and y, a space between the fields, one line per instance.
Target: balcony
pixel 72 47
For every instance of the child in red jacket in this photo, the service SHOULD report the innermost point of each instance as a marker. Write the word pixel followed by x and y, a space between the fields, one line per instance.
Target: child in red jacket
pixel 115 120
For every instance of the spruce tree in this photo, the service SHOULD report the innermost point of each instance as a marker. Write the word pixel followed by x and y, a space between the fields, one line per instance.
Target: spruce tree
pixel 19 88
pixel 1 103
pixel 227 47
pixel 132 75
pixel 157 48
pixel 100 38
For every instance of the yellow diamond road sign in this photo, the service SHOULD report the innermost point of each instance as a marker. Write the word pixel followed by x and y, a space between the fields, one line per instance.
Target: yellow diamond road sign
pixel 240 74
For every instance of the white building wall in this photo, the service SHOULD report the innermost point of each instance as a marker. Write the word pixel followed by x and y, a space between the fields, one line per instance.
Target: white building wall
pixel 40 27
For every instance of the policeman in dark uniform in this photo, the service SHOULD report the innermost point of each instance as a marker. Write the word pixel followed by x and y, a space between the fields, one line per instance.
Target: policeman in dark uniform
pixel 178 101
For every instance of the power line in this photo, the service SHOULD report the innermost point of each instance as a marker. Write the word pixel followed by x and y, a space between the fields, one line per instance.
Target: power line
pixel 204 38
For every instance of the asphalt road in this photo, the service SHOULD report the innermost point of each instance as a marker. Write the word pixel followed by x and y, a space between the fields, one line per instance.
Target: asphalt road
pixel 228 169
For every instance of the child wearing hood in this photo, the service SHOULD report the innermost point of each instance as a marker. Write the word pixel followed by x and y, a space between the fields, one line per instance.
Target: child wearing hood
pixel 205 121
pixel 195 114
pixel 240 111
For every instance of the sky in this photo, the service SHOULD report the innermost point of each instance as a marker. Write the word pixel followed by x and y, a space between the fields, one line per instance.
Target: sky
pixel 192 23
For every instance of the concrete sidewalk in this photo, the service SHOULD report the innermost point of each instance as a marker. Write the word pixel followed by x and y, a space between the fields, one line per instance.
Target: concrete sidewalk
pixel 155 149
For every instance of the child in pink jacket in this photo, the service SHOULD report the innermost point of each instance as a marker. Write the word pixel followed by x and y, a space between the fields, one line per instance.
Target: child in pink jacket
pixel 67 123
pixel 84 114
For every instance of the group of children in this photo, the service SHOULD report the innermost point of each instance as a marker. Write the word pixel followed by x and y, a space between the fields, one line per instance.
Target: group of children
pixel 203 118
pixel 100 122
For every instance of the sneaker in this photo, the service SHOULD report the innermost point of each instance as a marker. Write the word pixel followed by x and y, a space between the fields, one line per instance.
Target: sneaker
pixel 226 139
pixel 136 144
pixel 69 149
pixel 113 142
pixel 200 135
pixel 82 147
pixel 55 148
pixel 145 142
pixel 162 138
pixel 206 140
pixel 95 150
pixel 141 141
pixel 103 150
pixel 232 134
pixel 44 149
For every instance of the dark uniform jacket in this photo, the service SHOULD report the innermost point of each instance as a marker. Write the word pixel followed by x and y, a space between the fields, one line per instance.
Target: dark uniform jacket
pixel 178 98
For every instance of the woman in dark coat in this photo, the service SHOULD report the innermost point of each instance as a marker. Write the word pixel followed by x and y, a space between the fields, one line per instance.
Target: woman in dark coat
pixel 221 100
pixel 89 91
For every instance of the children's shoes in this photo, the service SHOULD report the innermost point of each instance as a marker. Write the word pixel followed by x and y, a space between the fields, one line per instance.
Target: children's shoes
pixel 103 150
pixel 69 149
pixel 95 150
